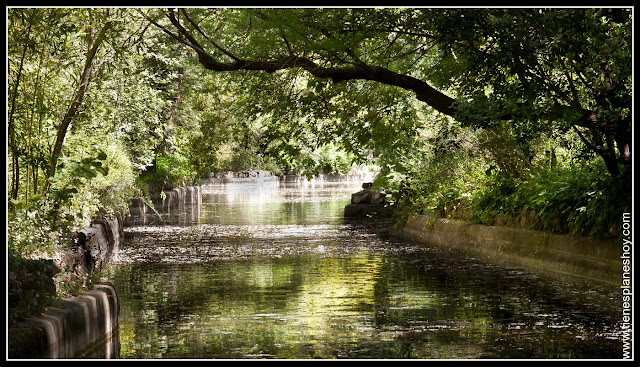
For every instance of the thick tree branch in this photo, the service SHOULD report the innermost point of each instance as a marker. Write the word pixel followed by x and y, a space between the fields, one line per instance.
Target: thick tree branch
pixel 361 71
pixel 586 142
pixel 222 49
pixel 171 34
pixel 424 92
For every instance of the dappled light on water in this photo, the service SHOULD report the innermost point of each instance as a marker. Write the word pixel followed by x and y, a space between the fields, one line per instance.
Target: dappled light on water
pixel 279 273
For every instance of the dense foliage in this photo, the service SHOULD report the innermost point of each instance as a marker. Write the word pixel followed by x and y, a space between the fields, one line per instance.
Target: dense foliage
pixel 504 116
pixel 559 192
pixel 77 98
pixel 538 97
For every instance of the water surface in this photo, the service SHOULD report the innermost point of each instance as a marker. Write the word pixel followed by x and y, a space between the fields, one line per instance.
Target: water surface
pixel 274 271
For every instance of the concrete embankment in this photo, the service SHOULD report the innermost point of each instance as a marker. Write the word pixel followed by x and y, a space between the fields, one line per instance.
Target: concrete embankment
pixel 225 177
pixel 178 197
pixel 71 328
pixel 563 254
pixel 96 246
pixel 257 176
pixel 80 326
pixel 170 207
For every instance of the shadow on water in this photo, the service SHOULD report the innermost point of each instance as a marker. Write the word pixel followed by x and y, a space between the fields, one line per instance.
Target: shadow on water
pixel 108 348
pixel 274 271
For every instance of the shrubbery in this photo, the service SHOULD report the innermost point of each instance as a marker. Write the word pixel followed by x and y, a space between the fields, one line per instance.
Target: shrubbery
pixel 500 176
pixel 580 200
pixel 170 170
pixel 583 200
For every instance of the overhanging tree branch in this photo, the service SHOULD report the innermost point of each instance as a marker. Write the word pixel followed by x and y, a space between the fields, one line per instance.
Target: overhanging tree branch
pixel 360 71
pixel 363 71
pixel 216 45
pixel 424 92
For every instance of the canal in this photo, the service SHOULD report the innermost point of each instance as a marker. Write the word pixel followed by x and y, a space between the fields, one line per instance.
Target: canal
pixel 273 270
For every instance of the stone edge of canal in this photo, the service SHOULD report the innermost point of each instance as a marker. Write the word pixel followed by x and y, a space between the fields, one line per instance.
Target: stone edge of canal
pixel 73 327
pixel 588 258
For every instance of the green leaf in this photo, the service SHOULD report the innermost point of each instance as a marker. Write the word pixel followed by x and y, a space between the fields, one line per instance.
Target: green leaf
pixel 86 173
pixel 102 170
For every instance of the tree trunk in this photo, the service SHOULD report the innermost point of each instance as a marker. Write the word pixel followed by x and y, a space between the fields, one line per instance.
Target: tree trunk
pixel 611 162
pixel 623 137
pixel 85 79
pixel 15 177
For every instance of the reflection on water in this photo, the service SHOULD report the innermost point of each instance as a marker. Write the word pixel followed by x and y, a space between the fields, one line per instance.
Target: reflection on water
pixel 274 271
pixel 276 203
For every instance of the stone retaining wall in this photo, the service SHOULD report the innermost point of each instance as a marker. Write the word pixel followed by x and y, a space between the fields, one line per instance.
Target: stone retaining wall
pixel 564 254
pixel 70 328
pixel 367 210
pixel 175 201
pixel 74 325
pixel 95 247
pixel 367 203
pixel 178 197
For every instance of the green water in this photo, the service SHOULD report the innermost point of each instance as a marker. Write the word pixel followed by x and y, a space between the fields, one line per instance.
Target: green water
pixel 273 271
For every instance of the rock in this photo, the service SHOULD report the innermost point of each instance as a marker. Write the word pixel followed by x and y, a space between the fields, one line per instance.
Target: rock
pixel 369 196
pixel 367 211
pixel 224 174
pixel 360 197
pixel 74 260
pixel 376 197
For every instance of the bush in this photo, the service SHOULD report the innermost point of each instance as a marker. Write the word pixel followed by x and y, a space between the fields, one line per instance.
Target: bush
pixel 169 171
pixel 37 231
pixel 438 184
pixel 583 200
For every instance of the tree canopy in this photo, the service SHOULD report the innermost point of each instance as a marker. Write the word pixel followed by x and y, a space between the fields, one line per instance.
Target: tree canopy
pixel 536 68
pixel 482 114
